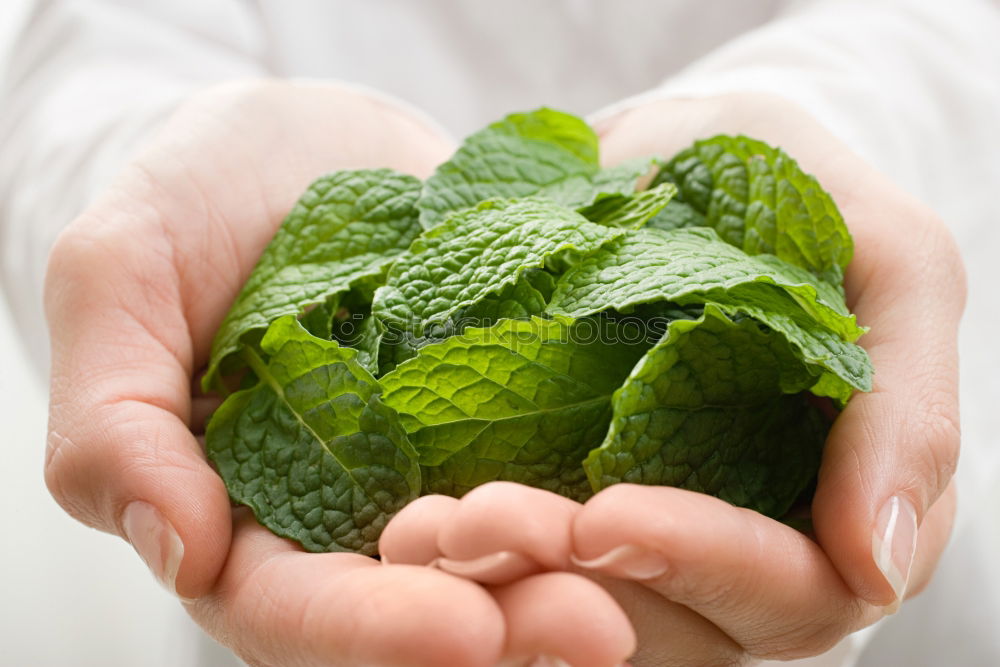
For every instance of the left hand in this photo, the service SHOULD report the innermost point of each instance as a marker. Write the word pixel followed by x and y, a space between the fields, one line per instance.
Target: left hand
pixel 708 583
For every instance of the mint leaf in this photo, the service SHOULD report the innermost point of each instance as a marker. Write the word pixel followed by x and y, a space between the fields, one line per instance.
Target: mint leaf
pixel 790 216
pixel 846 366
pixel 318 318
pixel 477 252
pixel 628 211
pixel 536 318
pixel 651 265
pixel 312 449
pixel 544 152
pixel 521 401
pixel 760 200
pixel 712 190
pixel 624 178
pixel 367 340
pixel 675 215
pixel 693 266
pixel 347 228
pixel 520 300
pixel 705 409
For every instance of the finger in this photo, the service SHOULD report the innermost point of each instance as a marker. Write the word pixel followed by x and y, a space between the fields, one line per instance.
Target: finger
pixel 669 634
pixel 765 585
pixel 563 616
pixel 412 535
pixel 278 606
pixel 501 531
pixel 893 451
pixel 120 454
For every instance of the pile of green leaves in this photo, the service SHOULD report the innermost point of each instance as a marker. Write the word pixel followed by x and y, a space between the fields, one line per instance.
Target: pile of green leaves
pixel 526 315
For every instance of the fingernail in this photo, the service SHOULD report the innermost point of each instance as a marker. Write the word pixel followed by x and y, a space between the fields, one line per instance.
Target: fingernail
pixel 549 661
pixel 894 542
pixel 495 568
pixel 155 540
pixel 627 561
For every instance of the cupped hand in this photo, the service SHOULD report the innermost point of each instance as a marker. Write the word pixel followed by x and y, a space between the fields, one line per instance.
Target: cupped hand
pixel 136 288
pixel 708 583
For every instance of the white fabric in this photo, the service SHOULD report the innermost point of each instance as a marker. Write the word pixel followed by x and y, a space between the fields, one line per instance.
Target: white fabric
pixel 913 86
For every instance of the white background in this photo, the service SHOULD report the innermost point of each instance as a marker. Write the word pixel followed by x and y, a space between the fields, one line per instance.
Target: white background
pixel 72 596
pixel 69 595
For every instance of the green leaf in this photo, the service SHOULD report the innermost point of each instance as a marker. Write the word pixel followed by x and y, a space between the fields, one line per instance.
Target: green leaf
pixel 758 199
pixel 791 216
pixel 544 152
pixel 312 449
pixel 520 300
pixel 629 211
pixel 675 215
pixel 346 229
pixel 522 401
pixel 846 366
pixel 692 266
pixel 652 265
pixel 536 318
pixel 624 178
pixel 477 252
pixel 706 410
pixel 712 190
pixel 318 319
pixel 367 341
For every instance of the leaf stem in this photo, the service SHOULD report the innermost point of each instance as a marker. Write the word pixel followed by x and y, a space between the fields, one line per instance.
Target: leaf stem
pixel 255 363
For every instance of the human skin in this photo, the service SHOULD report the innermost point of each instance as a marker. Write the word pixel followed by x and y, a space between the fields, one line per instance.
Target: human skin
pixel 708 583
pixel 137 287
pixel 139 283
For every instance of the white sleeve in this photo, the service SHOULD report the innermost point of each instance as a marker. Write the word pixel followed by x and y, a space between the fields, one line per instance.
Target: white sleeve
pixel 82 83
pixel 900 81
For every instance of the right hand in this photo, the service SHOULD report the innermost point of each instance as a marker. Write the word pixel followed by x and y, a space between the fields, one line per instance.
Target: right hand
pixel 137 287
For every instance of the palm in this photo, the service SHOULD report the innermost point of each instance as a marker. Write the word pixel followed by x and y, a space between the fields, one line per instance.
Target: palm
pixel 707 583
pixel 137 287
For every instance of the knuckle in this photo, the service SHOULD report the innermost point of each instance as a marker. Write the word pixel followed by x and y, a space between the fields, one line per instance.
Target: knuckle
pixel 612 498
pixel 938 444
pixel 89 258
pixel 72 253
pixel 931 250
pixel 63 478
pixel 487 494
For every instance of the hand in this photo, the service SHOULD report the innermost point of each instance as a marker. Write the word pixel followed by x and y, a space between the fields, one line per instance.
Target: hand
pixel 136 289
pixel 708 583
